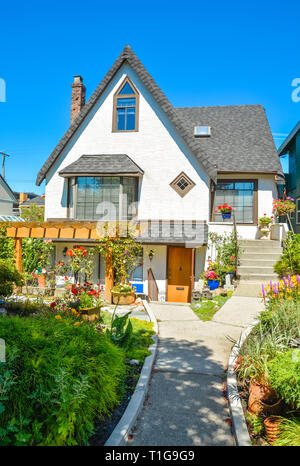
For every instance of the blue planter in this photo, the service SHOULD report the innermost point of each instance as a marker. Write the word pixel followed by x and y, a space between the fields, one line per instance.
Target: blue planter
pixel 226 215
pixel 213 284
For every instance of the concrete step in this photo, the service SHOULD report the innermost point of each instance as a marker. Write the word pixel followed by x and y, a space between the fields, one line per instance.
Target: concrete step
pixel 259 241
pixel 258 277
pixel 249 289
pixel 245 270
pixel 269 256
pixel 261 262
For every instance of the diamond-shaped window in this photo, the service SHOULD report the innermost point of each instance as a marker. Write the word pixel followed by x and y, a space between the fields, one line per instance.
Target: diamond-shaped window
pixel 182 184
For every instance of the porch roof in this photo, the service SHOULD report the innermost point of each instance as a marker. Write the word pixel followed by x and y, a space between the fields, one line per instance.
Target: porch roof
pixel 105 164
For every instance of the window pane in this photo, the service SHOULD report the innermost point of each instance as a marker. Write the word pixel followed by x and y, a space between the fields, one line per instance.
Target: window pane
pixel 240 196
pixel 130 122
pixel 121 119
pixel 127 89
pixel 129 102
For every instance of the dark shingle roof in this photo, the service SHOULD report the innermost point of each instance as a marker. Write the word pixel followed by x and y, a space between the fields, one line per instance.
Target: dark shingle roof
pixel 103 163
pixel 129 56
pixel 241 138
pixel 240 141
pixel 38 200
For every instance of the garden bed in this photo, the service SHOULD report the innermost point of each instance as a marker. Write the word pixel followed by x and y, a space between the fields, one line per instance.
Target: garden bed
pixel 268 368
pixel 206 308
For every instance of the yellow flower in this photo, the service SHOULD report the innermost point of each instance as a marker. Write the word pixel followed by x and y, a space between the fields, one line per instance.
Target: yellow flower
pixel 77 323
pixel 58 317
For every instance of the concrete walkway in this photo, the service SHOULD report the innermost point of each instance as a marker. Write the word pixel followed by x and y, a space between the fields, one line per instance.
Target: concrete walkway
pixel 185 404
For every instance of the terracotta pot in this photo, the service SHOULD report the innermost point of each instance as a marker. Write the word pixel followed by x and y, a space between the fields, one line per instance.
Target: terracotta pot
pixel 90 311
pixel 272 428
pixel 261 396
pixel 123 298
pixel 42 280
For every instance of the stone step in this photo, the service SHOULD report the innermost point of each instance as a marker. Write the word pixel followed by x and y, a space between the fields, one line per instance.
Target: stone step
pixel 258 268
pixel 260 241
pixel 261 262
pixel 269 256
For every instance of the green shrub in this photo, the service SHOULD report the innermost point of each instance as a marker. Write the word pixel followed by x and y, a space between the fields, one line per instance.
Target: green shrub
pixel 26 308
pixel 289 433
pixel 8 277
pixel 289 262
pixel 284 376
pixel 283 319
pixel 58 378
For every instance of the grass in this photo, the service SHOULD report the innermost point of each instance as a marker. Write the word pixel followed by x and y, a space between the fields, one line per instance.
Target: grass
pixel 207 308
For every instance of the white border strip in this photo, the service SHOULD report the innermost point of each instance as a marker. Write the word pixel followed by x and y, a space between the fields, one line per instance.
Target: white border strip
pixel 120 433
pixel 237 413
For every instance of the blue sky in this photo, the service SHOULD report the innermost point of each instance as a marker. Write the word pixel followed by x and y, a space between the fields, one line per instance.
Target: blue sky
pixel 199 53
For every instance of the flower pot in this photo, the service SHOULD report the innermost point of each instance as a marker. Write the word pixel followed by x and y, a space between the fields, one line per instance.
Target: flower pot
pixel 261 398
pixel 226 215
pixel 90 310
pixel 123 298
pixel 41 280
pixel 272 428
pixel 264 230
pixel 213 284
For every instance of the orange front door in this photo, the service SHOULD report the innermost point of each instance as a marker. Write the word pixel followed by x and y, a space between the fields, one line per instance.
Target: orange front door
pixel 179 274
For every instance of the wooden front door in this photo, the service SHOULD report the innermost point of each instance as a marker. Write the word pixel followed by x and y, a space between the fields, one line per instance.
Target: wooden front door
pixel 179 274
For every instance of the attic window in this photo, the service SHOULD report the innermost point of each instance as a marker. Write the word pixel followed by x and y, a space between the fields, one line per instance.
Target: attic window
pixel 182 184
pixel 125 112
pixel 202 131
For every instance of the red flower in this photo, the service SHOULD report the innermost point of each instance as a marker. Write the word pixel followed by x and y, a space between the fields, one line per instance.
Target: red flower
pixel 52 304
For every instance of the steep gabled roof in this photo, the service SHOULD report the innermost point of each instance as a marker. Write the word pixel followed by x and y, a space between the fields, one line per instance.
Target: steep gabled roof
pixel 128 56
pixel 240 141
pixel 7 188
pixel 102 164
pixel 284 148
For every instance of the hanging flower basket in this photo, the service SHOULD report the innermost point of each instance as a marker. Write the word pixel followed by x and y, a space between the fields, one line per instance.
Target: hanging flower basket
pixel 225 210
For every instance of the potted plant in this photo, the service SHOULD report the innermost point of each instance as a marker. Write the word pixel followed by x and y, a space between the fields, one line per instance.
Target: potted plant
pixel 123 294
pixel 225 210
pixel 86 297
pixel 212 279
pixel 264 226
pixel 283 207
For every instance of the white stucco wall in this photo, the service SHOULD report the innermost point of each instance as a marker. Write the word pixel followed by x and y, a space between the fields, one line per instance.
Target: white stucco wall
pixel 158 264
pixel 156 148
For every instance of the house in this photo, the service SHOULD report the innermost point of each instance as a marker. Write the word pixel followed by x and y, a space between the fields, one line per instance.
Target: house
pixel 291 146
pixel 25 199
pixel 7 199
pixel 129 154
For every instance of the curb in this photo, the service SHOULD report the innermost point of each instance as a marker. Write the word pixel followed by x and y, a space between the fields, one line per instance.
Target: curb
pixel 239 425
pixel 119 435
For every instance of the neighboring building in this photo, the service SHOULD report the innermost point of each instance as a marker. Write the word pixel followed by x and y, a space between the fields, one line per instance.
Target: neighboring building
pixel 176 164
pixel 37 200
pixel 291 146
pixel 21 198
pixel 7 199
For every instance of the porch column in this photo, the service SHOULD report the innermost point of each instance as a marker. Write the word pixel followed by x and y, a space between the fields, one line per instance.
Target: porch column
pixel 18 253
pixel 109 275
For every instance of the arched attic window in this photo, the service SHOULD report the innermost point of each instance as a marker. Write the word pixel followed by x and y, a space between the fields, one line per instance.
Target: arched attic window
pixel 126 108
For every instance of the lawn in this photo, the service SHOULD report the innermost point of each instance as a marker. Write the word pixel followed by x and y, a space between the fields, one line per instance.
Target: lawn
pixel 207 308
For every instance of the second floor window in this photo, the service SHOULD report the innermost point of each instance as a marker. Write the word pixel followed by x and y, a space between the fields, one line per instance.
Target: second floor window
pixel 125 114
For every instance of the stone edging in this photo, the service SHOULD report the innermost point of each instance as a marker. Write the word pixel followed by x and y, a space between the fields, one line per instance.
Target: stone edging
pixel 120 433
pixel 239 425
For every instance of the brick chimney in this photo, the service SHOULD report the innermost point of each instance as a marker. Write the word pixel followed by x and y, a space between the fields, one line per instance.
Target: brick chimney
pixel 78 97
pixel 23 198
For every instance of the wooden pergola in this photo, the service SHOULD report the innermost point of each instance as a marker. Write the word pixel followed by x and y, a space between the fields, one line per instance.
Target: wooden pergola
pixel 67 230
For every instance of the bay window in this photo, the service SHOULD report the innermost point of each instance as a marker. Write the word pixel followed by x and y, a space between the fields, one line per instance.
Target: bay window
pixel 103 197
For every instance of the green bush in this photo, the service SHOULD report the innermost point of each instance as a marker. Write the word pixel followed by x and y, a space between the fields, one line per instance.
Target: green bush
pixel 289 262
pixel 59 376
pixel 8 277
pixel 289 433
pixel 284 376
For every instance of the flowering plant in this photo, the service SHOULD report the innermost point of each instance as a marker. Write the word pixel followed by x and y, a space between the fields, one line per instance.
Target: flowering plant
pixel 225 208
pixel 283 207
pixel 86 295
pixel 80 263
pixel 123 288
pixel 286 288
pixel 266 220
pixel 211 275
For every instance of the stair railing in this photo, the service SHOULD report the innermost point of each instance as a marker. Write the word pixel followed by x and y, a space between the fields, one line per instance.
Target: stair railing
pixel 152 286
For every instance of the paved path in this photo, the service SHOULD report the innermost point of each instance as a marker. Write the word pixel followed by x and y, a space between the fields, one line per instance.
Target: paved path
pixel 185 405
